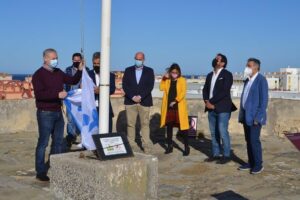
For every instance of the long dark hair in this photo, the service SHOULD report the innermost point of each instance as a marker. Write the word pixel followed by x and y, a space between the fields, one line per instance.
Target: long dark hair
pixel 175 66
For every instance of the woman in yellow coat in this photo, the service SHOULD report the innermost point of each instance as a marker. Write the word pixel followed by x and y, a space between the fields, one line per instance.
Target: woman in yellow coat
pixel 174 107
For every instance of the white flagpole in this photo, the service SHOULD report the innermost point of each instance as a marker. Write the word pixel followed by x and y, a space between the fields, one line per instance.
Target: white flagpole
pixel 105 67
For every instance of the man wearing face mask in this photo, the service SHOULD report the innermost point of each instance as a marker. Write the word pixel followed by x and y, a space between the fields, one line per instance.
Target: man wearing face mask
pixel 218 103
pixel 253 114
pixel 138 83
pixel 48 82
pixel 72 130
pixel 95 76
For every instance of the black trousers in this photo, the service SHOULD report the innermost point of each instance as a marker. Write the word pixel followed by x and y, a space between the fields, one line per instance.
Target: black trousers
pixel 170 135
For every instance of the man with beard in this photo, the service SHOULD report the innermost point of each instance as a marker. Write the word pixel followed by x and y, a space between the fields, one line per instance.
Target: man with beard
pixel 218 103
pixel 72 129
pixel 95 76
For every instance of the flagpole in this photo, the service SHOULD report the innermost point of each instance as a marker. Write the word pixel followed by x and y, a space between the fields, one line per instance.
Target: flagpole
pixel 105 65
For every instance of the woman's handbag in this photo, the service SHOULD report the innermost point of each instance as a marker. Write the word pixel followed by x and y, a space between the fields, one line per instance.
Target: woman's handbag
pixel 172 117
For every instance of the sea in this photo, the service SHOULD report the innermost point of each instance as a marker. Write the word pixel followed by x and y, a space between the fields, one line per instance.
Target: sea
pixel 20 77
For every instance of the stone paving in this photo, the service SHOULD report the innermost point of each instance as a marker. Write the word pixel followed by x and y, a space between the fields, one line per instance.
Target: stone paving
pixel 179 177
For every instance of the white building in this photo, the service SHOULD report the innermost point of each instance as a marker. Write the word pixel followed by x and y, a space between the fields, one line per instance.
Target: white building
pixel 5 77
pixel 290 79
pixel 273 83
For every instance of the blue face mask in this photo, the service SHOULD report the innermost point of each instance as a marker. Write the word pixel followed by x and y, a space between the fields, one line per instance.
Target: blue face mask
pixel 139 63
pixel 53 63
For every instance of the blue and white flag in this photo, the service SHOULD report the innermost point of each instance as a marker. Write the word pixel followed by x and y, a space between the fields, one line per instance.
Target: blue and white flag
pixel 81 104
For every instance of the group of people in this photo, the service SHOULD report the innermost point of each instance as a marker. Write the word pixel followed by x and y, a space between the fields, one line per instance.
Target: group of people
pixel 252 112
pixel 51 85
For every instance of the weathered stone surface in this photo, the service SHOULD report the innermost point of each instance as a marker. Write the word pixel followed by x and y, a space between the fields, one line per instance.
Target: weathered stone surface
pixel 17 116
pixel 283 115
pixel 134 178
pixel 187 178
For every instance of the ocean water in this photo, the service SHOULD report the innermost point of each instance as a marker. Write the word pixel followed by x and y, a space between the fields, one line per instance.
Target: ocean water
pixel 20 77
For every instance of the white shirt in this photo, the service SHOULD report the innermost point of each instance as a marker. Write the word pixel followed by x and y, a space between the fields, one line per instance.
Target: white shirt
pixel 138 74
pixel 213 82
pixel 247 88
pixel 97 78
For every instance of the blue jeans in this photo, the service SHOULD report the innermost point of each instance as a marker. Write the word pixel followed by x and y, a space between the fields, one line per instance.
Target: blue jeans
pixel 254 150
pixel 49 123
pixel 72 129
pixel 218 125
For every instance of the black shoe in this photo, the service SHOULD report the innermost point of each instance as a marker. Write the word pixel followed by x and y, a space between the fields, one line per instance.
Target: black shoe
pixel 212 159
pixel 245 167
pixel 42 178
pixel 224 160
pixel 186 151
pixel 70 140
pixel 169 149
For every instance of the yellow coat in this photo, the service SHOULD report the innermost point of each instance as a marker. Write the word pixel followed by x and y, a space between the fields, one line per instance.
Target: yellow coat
pixel 182 105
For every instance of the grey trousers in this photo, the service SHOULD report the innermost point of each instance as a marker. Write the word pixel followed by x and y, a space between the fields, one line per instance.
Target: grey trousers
pixel 132 111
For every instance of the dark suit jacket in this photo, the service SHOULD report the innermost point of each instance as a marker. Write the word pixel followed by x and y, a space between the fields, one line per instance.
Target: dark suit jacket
pixel 112 88
pixel 144 88
pixel 221 94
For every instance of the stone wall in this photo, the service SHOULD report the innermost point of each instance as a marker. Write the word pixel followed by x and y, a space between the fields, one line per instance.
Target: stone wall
pixel 17 116
pixel 283 115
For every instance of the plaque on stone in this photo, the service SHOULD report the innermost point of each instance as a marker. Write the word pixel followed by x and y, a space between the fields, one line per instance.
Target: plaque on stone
pixel 112 146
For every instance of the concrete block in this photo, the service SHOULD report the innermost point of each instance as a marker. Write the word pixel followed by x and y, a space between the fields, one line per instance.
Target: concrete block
pixel 73 176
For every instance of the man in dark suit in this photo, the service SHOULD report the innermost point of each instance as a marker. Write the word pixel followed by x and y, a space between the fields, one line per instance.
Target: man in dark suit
pixel 95 76
pixel 138 83
pixel 253 114
pixel 72 129
pixel 218 103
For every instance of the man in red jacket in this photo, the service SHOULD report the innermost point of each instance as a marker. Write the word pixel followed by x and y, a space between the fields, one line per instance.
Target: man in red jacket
pixel 48 82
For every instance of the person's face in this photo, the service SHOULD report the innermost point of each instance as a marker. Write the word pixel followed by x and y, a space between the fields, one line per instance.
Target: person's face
pixel 76 59
pixel 96 62
pixel 219 63
pixel 96 65
pixel 140 56
pixel 252 65
pixel 50 56
pixel 174 73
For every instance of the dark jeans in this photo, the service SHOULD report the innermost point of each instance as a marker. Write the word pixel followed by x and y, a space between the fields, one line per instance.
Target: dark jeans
pixel 49 123
pixel 254 150
pixel 218 125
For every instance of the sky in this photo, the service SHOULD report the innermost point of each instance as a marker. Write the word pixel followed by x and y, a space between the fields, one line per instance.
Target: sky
pixel 188 32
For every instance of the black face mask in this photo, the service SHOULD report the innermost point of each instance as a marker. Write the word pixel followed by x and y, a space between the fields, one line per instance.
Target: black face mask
pixel 97 69
pixel 76 64
pixel 214 63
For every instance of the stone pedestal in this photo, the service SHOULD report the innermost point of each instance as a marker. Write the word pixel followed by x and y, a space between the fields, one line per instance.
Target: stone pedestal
pixel 75 176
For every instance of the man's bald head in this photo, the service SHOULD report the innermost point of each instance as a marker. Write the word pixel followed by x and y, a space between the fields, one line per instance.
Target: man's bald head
pixel 140 56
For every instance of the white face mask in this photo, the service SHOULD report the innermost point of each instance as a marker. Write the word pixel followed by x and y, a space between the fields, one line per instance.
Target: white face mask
pixel 247 72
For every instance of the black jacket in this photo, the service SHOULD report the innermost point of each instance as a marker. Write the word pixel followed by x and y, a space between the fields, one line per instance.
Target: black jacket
pixel 221 94
pixel 144 88
pixel 112 88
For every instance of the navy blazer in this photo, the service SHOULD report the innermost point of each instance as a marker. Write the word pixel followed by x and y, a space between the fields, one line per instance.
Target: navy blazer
pixel 221 94
pixel 144 88
pixel 257 102
pixel 112 88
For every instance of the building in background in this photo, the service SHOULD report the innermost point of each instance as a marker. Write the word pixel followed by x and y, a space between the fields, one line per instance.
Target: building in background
pixel 290 79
